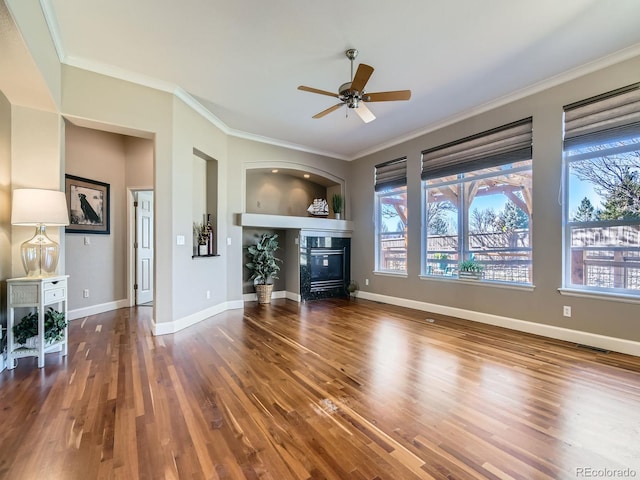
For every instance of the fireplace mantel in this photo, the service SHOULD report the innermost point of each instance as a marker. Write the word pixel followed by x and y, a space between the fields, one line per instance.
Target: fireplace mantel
pixel 294 223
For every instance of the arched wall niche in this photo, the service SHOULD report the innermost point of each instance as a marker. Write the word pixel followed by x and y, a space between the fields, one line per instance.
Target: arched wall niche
pixel 287 189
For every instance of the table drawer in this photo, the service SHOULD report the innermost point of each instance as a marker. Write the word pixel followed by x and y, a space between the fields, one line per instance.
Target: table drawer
pixel 54 295
pixel 50 284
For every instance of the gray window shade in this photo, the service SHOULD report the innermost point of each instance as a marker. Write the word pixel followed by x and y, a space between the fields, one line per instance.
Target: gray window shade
pixel 507 144
pixel 391 174
pixel 605 118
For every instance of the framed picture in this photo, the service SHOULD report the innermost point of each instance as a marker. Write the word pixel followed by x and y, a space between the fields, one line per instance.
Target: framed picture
pixel 88 204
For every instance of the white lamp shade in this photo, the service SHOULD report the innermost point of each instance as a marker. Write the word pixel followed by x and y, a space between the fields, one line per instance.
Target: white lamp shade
pixel 33 206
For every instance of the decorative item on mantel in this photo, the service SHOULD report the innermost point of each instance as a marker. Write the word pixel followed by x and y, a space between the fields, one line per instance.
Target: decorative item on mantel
pixel 337 204
pixel 319 208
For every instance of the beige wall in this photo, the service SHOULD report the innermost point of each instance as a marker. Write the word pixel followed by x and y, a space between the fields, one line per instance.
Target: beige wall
pixel 100 266
pixel 124 162
pixel 5 201
pixel 193 277
pixel 280 194
pixel 542 305
pixel 36 162
pixel 138 162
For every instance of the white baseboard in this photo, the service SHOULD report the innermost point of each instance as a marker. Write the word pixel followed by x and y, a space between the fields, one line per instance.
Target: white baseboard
pixel 165 328
pixel 96 309
pixel 575 336
pixel 252 297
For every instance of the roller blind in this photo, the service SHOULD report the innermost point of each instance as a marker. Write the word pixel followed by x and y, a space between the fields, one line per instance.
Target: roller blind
pixel 499 146
pixel 606 118
pixel 391 174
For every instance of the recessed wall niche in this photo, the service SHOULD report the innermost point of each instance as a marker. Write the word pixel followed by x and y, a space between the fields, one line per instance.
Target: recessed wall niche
pixel 286 191
pixel 205 194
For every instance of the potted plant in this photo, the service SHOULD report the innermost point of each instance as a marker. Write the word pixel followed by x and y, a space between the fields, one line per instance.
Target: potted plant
pixel 353 288
pixel 26 331
pixel 337 204
pixel 470 269
pixel 263 265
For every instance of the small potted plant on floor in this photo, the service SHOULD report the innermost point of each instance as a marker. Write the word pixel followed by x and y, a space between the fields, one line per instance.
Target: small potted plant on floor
pixel 470 269
pixel 352 288
pixel 337 204
pixel 263 265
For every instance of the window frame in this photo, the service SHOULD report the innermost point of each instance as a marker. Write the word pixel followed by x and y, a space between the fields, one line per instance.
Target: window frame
pixel 492 154
pixel 604 122
pixel 463 230
pixel 387 192
pixel 569 225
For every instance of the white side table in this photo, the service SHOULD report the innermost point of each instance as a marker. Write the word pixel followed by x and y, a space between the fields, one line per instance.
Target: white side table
pixel 35 293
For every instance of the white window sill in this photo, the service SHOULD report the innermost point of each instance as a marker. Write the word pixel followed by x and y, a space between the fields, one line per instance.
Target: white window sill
pixel 390 274
pixel 480 283
pixel 613 297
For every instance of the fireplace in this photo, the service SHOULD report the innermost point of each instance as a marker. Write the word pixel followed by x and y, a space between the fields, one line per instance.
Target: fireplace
pixel 324 267
pixel 327 269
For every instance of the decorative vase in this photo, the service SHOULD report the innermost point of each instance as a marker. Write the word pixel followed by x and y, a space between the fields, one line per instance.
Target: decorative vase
pixel 264 292
pixel 337 215
pixel 203 250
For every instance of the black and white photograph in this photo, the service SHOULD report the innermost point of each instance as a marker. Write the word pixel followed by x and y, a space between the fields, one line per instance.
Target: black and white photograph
pixel 88 202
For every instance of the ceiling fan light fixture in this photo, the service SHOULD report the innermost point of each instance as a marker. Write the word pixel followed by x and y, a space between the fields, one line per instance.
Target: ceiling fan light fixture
pixel 353 93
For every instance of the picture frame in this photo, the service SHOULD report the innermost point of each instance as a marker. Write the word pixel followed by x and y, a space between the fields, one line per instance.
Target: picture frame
pixel 88 204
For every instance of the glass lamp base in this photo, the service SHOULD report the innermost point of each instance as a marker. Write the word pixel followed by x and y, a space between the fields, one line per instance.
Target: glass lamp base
pixel 40 254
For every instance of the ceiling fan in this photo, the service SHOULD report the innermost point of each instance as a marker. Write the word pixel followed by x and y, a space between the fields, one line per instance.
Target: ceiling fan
pixel 353 95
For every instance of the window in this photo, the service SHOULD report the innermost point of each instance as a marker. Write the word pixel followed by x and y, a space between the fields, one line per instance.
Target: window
pixel 477 204
pixel 391 216
pixel 602 193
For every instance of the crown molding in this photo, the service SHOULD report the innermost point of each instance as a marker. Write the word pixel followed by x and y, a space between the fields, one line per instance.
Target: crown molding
pixel 54 30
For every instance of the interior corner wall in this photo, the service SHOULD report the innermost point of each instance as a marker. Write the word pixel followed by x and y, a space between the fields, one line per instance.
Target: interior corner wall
pixel 199 283
pixel 544 304
pixel 138 162
pixel 5 201
pixel 36 162
pixel 35 33
pixel 97 262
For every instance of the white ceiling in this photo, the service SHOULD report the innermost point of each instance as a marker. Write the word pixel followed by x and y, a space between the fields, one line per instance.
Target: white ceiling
pixel 244 59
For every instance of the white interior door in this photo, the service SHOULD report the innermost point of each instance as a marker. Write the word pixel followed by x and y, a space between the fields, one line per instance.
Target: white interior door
pixel 144 247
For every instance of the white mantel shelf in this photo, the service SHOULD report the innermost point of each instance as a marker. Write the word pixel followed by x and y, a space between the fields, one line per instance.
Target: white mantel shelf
pixel 295 223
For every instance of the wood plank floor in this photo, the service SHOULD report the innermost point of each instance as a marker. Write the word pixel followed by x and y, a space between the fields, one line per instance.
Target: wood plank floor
pixel 333 389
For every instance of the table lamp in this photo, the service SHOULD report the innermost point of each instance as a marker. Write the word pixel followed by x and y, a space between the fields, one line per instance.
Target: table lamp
pixel 39 208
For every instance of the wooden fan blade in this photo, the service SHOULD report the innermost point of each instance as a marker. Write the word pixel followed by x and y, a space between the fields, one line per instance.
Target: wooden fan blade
pixel 315 90
pixel 328 110
pixel 364 113
pixel 362 77
pixel 387 96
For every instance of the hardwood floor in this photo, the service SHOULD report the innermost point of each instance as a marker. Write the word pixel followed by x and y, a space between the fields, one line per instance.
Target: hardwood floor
pixel 332 389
